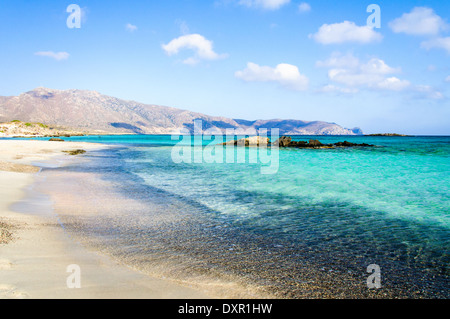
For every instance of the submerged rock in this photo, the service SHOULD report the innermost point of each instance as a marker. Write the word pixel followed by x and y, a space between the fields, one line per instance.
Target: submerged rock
pixel 348 144
pixel 75 152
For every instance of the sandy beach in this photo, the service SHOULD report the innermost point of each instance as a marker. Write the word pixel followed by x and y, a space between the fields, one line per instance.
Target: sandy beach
pixel 35 251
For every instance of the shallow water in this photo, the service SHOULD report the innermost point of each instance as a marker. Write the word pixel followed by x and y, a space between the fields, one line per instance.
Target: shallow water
pixel 309 230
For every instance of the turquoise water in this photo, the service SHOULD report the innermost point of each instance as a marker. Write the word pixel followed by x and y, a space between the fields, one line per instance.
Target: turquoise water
pixel 316 223
pixel 407 178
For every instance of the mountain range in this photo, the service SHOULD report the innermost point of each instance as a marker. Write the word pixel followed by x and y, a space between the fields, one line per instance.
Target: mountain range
pixel 94 113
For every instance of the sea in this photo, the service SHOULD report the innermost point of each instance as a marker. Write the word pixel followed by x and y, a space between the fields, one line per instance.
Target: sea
pixel 357 222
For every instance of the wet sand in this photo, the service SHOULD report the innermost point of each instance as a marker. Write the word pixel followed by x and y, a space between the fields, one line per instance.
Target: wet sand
pixel 35 250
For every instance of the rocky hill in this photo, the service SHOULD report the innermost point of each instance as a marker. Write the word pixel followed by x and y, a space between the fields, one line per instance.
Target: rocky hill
pixel 92 112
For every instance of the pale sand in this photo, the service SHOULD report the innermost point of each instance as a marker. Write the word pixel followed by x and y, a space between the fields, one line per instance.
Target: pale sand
pixel 34 263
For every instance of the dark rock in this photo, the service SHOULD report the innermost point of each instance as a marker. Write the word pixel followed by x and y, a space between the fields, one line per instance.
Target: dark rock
pixel 345 144
pixel 54 139
pixel 286 141
pixel 348 144
pixel 314 143
pixel 300 144
pixel 387 134
pixel 283 141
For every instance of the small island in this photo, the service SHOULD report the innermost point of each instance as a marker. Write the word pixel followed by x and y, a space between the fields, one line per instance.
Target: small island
pixel 387 134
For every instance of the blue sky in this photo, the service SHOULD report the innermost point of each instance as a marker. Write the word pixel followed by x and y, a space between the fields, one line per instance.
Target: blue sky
pixel 250 59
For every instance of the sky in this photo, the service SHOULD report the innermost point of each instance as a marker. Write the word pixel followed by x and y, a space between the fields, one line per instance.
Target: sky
pixel 382 66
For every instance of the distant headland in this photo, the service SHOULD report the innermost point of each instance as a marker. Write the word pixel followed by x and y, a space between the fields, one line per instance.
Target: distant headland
pixel 94 113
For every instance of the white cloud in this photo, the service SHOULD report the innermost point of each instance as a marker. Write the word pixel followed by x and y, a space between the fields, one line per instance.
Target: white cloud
pixel 372 80
pixel 348 75
pixel 304 7
pixel 440 43
pixel 346 31
pixel 54 55
pixel 393 84
pixel 264 4
pixel 420 21
pixel 428 92
pixel 202 47
pixel 130 27
pixel 286 75
pixel 377 66
pixel 347 70
pixel 447 79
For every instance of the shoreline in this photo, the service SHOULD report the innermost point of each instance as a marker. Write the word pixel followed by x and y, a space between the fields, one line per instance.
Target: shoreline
pixel 37 251
pixel 131 240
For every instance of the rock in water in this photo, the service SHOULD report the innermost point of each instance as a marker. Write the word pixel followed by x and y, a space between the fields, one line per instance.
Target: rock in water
pixel 250 141
pixel 257 141
pixel 315 143
pixel 286 141
pixel 283 141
